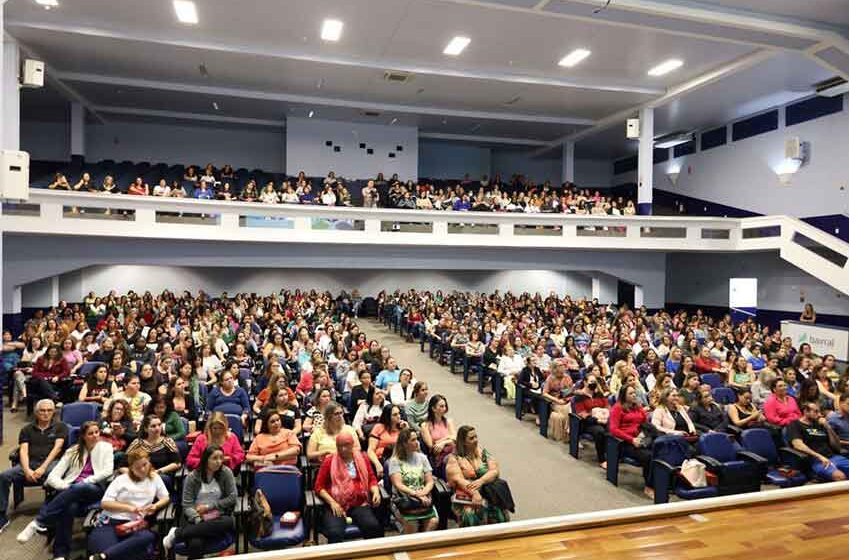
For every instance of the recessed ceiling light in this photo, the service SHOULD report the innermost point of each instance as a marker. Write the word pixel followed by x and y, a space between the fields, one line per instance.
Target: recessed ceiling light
pixel 186 11
pixel 574 58
pixel 311 114
pixel 456 45
pixel 331 29
pixel 47 3
pixel 215 105
pixel 394 120
pixel 666 67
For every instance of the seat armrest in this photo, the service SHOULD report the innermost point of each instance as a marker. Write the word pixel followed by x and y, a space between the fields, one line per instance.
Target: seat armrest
pixel 753 457
pixel 664 480
pixel 793 458
pixel 711 463
pixel 734 430
pixel 440 487
pixel 90 518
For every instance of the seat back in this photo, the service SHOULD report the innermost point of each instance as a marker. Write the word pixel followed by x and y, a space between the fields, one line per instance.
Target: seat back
pixel 283 486
pixel 712 379
pixel 759 441
pixel 75 414
pixel 724 395
pixel 235 423
pixel 88 368
pixel 671 449
pixel 719 446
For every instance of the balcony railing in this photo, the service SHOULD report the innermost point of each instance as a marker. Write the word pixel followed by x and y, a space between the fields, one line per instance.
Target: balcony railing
pixel 85 214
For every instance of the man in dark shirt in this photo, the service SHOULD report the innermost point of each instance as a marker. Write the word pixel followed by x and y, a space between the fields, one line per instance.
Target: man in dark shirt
pixel 812 436
pixel 40 445
pixel 141 354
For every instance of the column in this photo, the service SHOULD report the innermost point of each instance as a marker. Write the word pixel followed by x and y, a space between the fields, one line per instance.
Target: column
pixel 596 290
pixel 638 296
pixel 77 132
pixel 568 163
pixel 645 165
pixel 10 98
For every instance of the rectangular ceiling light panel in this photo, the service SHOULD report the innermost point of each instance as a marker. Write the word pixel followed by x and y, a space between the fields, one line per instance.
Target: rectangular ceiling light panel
pixel 574 58
pixel 456 45
pixel 331 30
pixel 666 67
pixel 186 11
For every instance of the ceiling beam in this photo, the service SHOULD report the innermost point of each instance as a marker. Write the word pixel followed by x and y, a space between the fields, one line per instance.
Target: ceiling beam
pixel 486 139
pixel 190 116
pixel 685 11
pixel 316 101
pixel 596 84
pixel 674 92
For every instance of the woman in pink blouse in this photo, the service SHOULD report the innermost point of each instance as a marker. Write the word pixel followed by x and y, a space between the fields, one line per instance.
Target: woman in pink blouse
pixel 780 408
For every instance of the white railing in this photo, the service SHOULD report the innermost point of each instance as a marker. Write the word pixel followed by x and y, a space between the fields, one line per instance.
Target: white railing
pixel 85 214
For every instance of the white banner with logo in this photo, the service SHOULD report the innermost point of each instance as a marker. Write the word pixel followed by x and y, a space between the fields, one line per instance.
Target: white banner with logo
pixel 823 339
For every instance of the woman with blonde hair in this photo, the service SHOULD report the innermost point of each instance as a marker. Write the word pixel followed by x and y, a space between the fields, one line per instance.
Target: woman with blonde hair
pixel 217 432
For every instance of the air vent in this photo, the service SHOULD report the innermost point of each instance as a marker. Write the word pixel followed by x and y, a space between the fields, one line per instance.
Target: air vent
pixel 397 77
pixel 832 87
pixel 370 114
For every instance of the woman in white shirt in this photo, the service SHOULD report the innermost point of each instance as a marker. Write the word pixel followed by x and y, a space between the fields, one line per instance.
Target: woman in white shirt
pixel 79 478
pixel 269 195
pixel 133 496
pixel 509 367
pixel 402 392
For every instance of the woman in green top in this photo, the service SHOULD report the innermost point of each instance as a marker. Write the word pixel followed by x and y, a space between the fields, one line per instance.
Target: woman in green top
pixel 416 408
pixel 412 482
pixel 468 469
pixel 162 408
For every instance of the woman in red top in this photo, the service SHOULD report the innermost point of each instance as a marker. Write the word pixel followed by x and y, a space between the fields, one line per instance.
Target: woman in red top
pixel 626 419
pixel 346 483
pixel 589 397
pixel 47 372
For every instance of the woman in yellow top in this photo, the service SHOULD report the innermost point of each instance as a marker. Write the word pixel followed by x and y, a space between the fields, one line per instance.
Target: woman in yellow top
pixel 323 439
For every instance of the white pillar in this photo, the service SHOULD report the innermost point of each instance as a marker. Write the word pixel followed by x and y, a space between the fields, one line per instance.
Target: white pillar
pixel 645 165
pixel 596 287
pixel 10 97
pixel 568 163
pixel 638 296
pixel 77 129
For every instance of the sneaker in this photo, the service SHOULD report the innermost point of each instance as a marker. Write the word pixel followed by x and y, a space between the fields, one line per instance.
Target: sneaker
pixel 168 541
pixel 4 523
pixel 31 529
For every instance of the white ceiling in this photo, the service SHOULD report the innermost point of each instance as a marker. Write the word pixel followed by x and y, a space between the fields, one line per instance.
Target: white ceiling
pixel 265 61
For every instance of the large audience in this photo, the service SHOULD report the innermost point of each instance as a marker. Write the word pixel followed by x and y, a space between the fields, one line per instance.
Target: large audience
pixel 636 375
pixel 519 194
pixel 197 395
pixel 192 393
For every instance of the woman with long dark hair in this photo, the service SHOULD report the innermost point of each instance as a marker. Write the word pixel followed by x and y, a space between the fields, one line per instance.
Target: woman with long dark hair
pixel 209 498
pixel 79 478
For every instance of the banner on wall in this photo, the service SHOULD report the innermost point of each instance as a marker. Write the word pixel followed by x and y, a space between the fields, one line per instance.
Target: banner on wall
pixel 743 298
pixel 823 340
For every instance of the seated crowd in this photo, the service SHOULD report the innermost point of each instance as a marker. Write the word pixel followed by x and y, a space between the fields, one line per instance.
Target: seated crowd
pixel 637 375
pixel 195 397
pixel 484 195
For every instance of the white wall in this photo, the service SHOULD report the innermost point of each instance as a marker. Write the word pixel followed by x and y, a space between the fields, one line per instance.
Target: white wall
pixel 101 279
pixel 43 293
pixel 741 174
pixel 49 141
pixel 163 143
pixel 703 280
pixel 306 149
pixel 28 258
pixel 452 160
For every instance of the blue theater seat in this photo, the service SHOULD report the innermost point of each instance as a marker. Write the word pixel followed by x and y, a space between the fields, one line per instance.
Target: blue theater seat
pixel 668 454
pixel 283 486
pixel 759 442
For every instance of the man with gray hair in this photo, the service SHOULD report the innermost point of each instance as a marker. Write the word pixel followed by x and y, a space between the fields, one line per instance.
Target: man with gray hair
pixel 40 444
